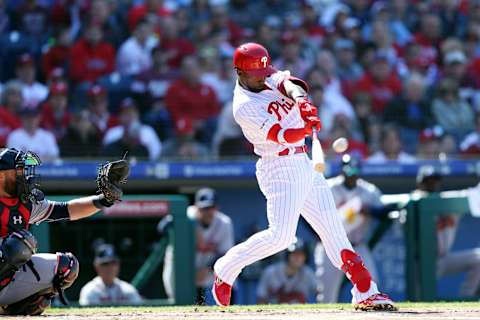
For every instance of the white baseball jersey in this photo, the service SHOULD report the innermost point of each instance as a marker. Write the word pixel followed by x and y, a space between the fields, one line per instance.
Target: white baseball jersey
pixel 258 112
pixel 288 182
pixel 96 292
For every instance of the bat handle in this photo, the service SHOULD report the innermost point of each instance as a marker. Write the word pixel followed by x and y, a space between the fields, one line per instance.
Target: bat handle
pixel 314 134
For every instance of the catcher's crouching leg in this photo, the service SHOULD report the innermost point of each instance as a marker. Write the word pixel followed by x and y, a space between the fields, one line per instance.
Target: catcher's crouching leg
pixel 66 272
pixel 16 249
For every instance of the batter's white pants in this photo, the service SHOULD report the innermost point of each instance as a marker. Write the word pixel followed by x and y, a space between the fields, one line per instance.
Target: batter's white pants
pixel 291 188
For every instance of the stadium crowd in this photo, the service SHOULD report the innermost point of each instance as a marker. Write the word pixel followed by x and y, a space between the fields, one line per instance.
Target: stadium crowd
pixel 90 78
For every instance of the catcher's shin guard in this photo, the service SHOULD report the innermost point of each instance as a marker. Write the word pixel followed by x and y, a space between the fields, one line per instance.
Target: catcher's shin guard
pixel 355 270
pixel 16 249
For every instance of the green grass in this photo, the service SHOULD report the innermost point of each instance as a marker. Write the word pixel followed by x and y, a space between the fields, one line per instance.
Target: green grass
pixel 255 308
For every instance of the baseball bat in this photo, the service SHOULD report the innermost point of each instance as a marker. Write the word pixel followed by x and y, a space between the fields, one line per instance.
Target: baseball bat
pixel 317 153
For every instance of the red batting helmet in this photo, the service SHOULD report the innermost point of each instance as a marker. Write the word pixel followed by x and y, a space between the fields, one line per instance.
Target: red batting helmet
pixel 253 59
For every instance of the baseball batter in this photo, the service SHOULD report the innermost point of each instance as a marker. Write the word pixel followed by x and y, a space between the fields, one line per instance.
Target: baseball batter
pixel 28 281
pixel 275 115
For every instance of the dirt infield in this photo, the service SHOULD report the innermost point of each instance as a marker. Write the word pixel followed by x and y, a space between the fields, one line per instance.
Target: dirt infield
pixel 306 312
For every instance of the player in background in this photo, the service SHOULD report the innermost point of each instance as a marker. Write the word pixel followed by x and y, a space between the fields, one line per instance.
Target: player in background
pixel 106 288
pixel 289 281
pixel 357 202
pixel 275 115
pixel 429 182
pixel 214 236
pixel 29 280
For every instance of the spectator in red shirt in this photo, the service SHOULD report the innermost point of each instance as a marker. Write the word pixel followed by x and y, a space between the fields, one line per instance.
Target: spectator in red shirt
pixel 429 37
pixel 54 115
pixel 187 98
pixel 91 57
pixel 98 107
pixel 176 46
pixel 11 102
pixel 221 23
pixel 381 82
pixel 152 9
pixel 56 56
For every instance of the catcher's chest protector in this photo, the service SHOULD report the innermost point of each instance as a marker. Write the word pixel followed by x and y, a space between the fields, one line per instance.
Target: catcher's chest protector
pixel 14 215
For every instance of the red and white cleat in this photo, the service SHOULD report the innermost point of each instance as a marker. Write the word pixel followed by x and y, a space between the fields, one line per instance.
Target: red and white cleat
pixel 376 302
pixel 222 292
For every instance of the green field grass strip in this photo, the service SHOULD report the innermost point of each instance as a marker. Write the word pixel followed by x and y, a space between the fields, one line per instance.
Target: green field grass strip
pixel 254 308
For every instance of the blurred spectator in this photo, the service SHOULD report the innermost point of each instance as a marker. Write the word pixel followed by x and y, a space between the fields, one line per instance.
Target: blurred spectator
pixel 268 34
pixel 106 288
pixel 380 81
pixel 290 281
pixel 134 54
pixel 382 39
pixel 149 89
pixel 218 73
pixel 455 66
pixel 150 9
pixel 98 107
pixel 131 135
pixel 4 17
pixel 291 56
pixel 175 45
pixel 411 111
pixel 222 24
pixel 451 113
pixel 55 116
pixel 413 62
pixel 31 18
pixel 391 147
pixel 80 138
pixel 9 120
pixel 33 92
pixel 183 145
pixel 470 146
pixel 56 55
pixel 358 202
pixel 190 100
pixel 347 67
pixel 91 57
pixel 30 137
pixel 214 237
pixel 343 127
pixel 449 262
pixel 362 105
pixel 109 15
pixel 429 37
pixel 429 143
pixel 228 140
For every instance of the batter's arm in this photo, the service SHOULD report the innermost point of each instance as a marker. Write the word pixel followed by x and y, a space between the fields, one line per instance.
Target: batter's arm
pixel 294 88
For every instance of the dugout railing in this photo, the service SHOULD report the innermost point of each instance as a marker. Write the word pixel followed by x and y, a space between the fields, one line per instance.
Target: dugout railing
pixel 421 240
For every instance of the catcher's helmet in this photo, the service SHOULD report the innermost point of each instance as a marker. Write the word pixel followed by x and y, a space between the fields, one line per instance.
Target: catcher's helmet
pixel 253 59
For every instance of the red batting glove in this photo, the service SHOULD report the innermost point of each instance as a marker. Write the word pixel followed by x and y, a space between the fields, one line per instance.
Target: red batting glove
pixel 307 109
pixel 312 122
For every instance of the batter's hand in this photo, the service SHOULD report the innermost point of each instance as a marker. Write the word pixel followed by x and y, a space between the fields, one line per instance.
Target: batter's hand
pixel 307 109
pixel 312 122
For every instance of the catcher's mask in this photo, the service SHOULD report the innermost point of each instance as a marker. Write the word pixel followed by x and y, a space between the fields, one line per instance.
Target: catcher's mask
pixel 27 179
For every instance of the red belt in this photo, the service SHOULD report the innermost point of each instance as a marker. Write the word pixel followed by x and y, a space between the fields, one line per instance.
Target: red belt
pixel 286 152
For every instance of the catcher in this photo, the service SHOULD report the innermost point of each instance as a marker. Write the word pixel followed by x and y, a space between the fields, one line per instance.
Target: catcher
pixel 28 280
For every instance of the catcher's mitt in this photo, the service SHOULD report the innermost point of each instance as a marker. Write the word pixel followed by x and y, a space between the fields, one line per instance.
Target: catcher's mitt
pixel 110 177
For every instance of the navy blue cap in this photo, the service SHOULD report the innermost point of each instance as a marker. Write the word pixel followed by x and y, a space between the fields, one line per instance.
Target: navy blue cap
pixel 7 158
pixel 205 198
pixel 105 253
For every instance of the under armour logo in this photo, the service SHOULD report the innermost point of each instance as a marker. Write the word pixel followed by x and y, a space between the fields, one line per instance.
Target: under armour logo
pixel 17 220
